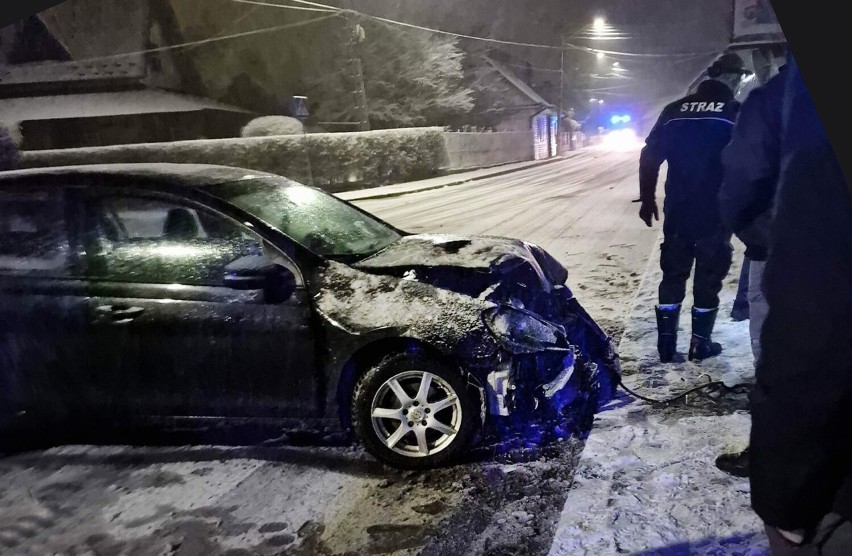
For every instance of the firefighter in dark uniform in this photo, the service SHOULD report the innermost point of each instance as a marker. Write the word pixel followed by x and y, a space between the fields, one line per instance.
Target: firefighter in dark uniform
pixel 690 135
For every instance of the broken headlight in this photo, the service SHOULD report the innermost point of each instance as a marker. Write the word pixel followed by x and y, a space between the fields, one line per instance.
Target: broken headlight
pixel 522 331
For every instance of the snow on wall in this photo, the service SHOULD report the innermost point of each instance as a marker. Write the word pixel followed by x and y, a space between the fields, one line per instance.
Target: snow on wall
pixel 336 162
pixel 478 150
pixel 332 161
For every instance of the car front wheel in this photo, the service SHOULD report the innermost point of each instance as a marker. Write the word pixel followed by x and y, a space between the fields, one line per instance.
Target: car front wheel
pixel 412 412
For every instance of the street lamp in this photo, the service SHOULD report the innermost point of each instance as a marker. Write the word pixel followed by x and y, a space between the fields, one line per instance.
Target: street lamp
pixel 599 24
pixel 600 55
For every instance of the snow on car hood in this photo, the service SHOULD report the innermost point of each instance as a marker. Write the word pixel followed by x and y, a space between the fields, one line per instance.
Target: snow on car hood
pixel 485 253
pixel 360 302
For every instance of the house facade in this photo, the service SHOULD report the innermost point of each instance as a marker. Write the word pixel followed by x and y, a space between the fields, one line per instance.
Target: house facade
pixel 87 73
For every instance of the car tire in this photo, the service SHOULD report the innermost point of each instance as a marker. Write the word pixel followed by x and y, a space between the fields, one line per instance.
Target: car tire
pixel 404 427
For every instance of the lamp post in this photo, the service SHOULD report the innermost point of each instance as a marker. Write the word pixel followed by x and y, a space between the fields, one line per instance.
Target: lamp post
pixel 356 36
pixel 595 111
pixel 561 80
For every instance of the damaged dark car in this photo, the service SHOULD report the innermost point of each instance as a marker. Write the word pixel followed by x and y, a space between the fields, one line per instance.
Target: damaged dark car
pixel 206 292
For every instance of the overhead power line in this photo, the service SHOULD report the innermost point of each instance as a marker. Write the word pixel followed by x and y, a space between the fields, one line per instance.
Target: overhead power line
pixel 208 40
pixel 486 39
pixel 267 4
pixel 533 45
pixel 318 5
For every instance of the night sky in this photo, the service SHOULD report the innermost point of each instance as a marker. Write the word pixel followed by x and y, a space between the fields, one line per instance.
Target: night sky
pixel 647 27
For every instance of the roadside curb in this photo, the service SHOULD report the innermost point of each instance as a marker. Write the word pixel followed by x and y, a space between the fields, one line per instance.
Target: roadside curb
pixel 459 181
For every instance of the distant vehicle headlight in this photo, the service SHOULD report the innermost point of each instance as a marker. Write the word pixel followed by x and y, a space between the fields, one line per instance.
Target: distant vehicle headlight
pixel 623 139
pixel 522 331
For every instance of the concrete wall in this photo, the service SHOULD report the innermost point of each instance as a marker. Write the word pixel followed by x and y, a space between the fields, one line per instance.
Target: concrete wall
pixel 478 150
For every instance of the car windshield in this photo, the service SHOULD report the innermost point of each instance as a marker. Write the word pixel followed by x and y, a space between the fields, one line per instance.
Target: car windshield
pixel 318 221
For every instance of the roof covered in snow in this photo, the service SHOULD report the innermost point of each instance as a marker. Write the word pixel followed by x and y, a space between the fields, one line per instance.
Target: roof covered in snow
pixel 518 83
pixel 115 103
pixel 59 74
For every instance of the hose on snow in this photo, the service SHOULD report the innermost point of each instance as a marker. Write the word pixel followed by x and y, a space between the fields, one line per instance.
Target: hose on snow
pixel 713 385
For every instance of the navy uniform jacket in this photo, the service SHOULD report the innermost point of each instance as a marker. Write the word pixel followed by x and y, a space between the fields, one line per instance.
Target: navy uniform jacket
pixel 690 135
pixel 752 163
pixel 801 430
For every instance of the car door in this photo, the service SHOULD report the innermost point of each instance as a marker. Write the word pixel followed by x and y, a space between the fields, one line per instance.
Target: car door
pixel 44 348
pixel 179 340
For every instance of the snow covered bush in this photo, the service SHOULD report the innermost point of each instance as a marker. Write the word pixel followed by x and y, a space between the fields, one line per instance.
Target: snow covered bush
pixel 266 126
pixel 375 157
pixel 334 161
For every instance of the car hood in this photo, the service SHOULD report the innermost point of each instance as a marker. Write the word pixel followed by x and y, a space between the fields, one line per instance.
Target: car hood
pixel 423 257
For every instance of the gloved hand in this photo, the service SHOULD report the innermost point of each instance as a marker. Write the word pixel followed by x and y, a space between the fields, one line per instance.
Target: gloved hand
pixel 647 210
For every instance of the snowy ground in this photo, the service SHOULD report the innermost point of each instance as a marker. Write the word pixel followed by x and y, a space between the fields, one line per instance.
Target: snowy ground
pixel 645 477
pixel 646 482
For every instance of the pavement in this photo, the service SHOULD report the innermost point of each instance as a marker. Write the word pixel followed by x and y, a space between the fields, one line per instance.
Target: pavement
pixel 456 178
pixel 646 482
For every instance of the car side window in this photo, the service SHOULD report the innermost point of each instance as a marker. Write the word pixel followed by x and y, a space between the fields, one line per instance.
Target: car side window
pixel 33 234
pixel 154 240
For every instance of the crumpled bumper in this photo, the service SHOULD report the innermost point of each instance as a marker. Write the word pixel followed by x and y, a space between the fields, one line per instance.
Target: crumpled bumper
pixel 550 382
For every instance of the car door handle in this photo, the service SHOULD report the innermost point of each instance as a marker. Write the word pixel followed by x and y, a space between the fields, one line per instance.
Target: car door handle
pixel 118 313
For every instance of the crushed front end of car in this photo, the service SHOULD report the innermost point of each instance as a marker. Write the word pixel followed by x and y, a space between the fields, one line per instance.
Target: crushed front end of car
pixel 538 352
pixel 550 369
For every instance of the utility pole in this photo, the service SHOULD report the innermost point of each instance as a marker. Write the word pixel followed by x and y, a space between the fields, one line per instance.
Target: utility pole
pixel 356 35
pixel 562 95
pixel 361 93
pixel 561 78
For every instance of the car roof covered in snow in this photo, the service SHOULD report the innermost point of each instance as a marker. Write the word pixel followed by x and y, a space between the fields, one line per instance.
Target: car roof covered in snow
pixel 192 175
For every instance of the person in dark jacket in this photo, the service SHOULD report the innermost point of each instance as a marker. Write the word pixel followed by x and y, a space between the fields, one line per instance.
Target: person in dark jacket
pixel 801 406
pixel 690 135
pixel 751 168
pixel 752 165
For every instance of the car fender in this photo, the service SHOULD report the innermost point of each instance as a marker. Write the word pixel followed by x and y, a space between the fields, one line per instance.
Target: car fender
pixel 359 310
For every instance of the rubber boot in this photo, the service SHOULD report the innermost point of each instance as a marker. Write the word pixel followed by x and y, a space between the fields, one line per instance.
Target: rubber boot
pixel 702 346
pixel 667 323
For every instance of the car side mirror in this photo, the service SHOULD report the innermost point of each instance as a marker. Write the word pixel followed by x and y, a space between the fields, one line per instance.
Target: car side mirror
pixel 256 272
